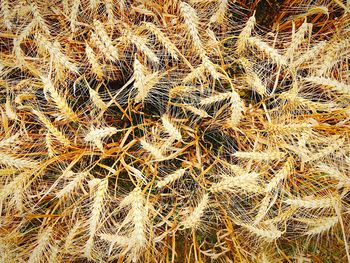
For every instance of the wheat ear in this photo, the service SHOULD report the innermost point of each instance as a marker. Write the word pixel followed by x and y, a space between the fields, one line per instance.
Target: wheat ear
pixel 60 101
pixel 141 45
pixel 95 65
pixel 331 83
pixel 270 234
pixel 54 131
pixel 321 225
pixel 298 39
pixel 96 211
pixel 237 108
pixel 50 150
pixel 106 40
pixel 334 146
pixel 267 50
pixel 43 243
pixel 260 156
pixel 201 113
pixel 245 34
pixel 313 202
pixel 162 38
pixel 10 110
pixel 343 179
pixel 96 100
pixel 145 88
pixel 20 163
pixel 331 56
pixel 194 218
pixel 8 142
pixel 170 178
pixel 247 182
pixel 39 19
pixel 216 98
pixel 265 205
pixel 96 135
pixel 74 15
pixel 138 215
pixel 220 13
pixel 5 9
pixel 155 151
pixel 72 185
pixel 280 176
pixel 17 183
pixel 170 128
pixel 54 49
pixel 309 55
pixel 192 23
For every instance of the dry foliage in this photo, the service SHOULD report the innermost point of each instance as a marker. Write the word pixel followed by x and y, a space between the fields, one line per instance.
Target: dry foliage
pixel 174 131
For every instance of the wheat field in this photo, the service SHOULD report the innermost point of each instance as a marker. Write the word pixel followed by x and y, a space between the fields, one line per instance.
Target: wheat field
pixel 174 131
